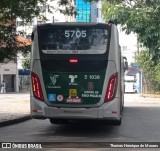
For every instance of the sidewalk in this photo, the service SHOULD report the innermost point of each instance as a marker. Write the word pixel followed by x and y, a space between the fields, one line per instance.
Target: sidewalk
pixel 14 107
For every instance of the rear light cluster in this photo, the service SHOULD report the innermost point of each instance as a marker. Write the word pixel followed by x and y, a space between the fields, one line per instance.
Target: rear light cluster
pixel 112 87
pixel 73 60
pixel 36 87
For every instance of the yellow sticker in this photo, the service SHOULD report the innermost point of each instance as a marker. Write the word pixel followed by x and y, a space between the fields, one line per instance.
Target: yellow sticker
pixel 72 92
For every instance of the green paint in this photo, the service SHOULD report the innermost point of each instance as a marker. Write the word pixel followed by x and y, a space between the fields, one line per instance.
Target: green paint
pixel 85 87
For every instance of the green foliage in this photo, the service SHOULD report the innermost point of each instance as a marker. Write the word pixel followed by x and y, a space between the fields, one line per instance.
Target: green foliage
pixel 151 71
pixel 9 11
pixel 140 17
pixel 26 10
pixel 66 8
pixel 26 62
pixel 157 68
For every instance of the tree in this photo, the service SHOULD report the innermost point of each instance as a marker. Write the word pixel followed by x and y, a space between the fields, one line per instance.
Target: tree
pixel 26 62
pixel 150 71
pixel 26 10
pixel 140 17
pixel 157 74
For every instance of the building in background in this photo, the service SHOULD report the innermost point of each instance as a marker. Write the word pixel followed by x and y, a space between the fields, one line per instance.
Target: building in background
pixel 83 11
pixel 8 74
pixel 129 46
pixel 9 71
pixel 24 28
pixel 89 12
pixel 96 12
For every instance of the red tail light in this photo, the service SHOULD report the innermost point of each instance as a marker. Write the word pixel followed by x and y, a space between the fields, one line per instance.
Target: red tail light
pixel 36 87
pixel 112 87
pixel 73 60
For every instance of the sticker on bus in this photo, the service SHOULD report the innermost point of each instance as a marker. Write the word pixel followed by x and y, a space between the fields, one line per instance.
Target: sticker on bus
pixel 72 79
pixel 52 97
pixel 72 92
pixel 60 98
pixel 90 86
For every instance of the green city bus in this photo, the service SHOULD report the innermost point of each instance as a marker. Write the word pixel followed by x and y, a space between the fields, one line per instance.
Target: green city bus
pixel 77 72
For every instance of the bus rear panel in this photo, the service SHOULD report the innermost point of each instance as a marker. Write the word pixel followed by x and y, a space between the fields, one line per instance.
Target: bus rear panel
pixel 76 72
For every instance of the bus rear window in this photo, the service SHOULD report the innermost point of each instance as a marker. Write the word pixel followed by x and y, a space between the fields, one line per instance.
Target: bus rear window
pixel 73 40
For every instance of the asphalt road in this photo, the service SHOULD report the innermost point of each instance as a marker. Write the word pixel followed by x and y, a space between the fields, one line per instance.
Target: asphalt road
pixel 141 123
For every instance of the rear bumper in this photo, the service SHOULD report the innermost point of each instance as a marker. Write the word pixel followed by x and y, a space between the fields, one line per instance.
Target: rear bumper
pixel 108 111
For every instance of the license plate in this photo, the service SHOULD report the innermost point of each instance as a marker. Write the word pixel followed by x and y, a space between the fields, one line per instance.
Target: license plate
pixel 73 100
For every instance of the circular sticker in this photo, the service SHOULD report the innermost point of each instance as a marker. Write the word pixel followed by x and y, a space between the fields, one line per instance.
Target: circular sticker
pixel 60 97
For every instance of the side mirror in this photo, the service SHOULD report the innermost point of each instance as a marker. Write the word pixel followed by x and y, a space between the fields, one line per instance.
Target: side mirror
pixel 32 36
pixel 125 63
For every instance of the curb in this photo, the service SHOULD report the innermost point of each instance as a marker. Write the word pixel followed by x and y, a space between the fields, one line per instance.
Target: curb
pixel 151 95
pixel 14 121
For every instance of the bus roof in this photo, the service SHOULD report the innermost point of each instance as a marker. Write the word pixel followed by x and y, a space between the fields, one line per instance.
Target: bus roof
pixel 47 25
pixel 72 24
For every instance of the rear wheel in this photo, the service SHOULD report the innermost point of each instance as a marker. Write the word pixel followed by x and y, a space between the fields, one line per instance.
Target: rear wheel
pixel 117 122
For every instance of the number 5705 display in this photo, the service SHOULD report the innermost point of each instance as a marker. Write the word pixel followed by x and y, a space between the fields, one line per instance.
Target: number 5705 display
pixel 77 33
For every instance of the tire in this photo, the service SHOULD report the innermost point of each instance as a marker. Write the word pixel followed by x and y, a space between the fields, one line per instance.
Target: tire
pixel 117 122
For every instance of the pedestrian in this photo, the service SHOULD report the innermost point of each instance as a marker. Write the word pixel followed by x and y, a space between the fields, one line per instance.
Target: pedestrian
pixel 3 87
pixel 21 85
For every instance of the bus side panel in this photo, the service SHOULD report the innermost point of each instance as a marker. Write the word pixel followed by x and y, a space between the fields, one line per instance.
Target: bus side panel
pixel 34 55
pixel 115 55
pixel 110 110
pixel 115 105
pixel 36 68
